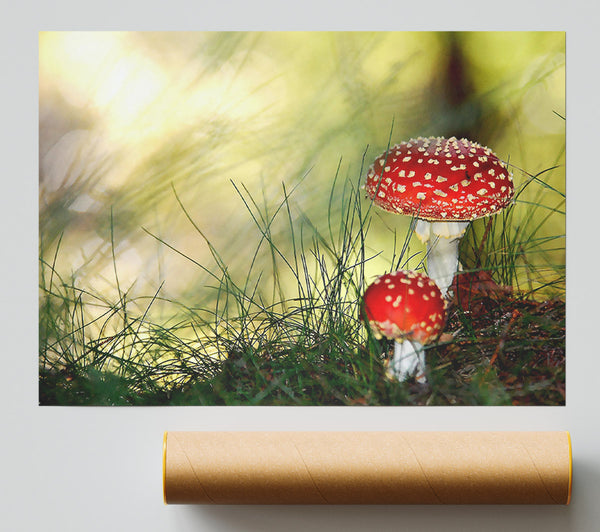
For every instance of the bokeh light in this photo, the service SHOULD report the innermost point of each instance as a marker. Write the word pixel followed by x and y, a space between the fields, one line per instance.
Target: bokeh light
pixel 129 120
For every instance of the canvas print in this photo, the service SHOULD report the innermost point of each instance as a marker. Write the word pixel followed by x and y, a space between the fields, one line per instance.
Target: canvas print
pixel 302 218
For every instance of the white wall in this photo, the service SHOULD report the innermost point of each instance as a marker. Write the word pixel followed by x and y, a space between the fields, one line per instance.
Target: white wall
pixel 88 469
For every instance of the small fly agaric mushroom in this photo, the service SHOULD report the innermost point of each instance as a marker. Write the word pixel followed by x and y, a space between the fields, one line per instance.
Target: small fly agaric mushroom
pixel 407 307
pixel 445 183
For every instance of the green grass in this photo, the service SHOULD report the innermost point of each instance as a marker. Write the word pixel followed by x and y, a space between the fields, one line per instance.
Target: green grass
pixel 289 330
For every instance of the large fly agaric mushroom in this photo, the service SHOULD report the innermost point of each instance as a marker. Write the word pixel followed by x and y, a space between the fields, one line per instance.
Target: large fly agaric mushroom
pixel 407 307
pixel 445 183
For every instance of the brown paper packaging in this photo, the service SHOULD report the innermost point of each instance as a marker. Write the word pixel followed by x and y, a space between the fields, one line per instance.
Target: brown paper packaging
pixel 367 467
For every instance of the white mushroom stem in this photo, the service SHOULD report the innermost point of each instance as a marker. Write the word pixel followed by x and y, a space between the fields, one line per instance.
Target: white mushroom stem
pixel 408 359
pixel 442 239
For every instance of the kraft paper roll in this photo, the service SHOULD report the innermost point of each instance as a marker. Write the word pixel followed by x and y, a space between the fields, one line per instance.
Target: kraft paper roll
pixel 367 467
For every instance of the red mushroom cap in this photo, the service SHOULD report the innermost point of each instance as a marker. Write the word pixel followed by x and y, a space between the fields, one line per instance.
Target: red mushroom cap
pixel 405 305
pixel 440 179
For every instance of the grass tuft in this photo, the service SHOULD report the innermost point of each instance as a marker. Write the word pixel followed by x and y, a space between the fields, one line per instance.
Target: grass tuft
pixel 289 330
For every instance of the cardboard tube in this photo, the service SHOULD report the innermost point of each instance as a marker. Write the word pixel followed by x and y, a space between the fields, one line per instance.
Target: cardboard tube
pixel 367 467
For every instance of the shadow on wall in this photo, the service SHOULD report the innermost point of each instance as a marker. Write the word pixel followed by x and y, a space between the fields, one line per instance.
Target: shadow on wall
pixel 380 518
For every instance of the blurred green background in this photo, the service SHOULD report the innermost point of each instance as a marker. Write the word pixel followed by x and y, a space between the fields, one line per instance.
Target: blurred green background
pixel 127 118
